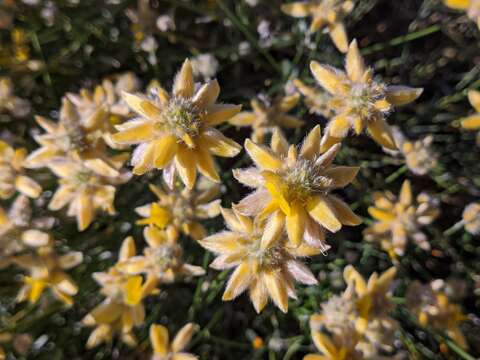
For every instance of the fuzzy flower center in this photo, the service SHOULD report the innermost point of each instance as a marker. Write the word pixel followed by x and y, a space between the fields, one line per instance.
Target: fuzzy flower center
pixel 182 117
pixel 363 97
pixel 304 179
pixel 267 259
pixel 165 257
pixel 75 137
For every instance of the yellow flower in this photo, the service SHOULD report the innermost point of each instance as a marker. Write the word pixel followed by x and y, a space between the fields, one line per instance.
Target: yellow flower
pixel 12 173
pixel 105 103
pixel 373 300
pixel 14 225
pixel 46 270
pixel 71 136
pixel 419 156
pixel 164 350
pixel 472 7
pixel 162 258
pixel 175 132
pixel 182 209
pixel 401 219
pixel 267 117
pixel 472 122
pixel 316 100
pixel 293 187
pixel 122 308
pixel 325 13
pixel 432 308
pixel 334 348
pixel 359 101
pixel 471 218
pixel 10 103
pixel 86 186
pixel 264 264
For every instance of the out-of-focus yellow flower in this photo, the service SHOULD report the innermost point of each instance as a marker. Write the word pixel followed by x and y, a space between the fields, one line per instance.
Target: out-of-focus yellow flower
pixel 317 100
pixel 359 101
pixel 86 187
pixel 161 259
pixel 400 219
pixel 267 117
pixel 182 209
pixel 419 156
pixel 71 136
pixel 163 349
pixel 471 218
pixel 122 309
pixel 324 13
pixel 10 103
pixel 472 7
pixel 105 103
pixel 334 348
pixel 175 132
pixel 472 122
pixel 432 308
pixel 373 300
pixel 264 263
pixel 293 188
pixel 46 270
pixel 13 225
pixel 12 173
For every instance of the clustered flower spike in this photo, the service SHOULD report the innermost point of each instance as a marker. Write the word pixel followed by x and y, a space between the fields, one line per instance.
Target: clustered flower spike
pixel 472 7
pixel 46 270
pixel 359 101
pixel 293 188
pixel 324 13
pixel 400 219
pixel 12 173
pixel 265 264
pixel 123 307
pixel 162 258
pixel 358 320
pixel 433 308
pixel 268 117
pixel 163 349
pixel 182 209
pixel 15 225
pixel 175 132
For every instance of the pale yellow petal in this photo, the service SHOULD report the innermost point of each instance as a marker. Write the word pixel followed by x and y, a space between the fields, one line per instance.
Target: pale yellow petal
pixel 159 339
pixel 184 85
pixel 165 150
pixel 273 230
pixel 183 337
pixel 258 295
pixel 298 9
pixel 328 77
pixel 245 118
pixel 323 212
pixel 218 144
pixel 138 132
pixel 406 196
pixel 262 157
pixel 471 122
pixel 206 165
pixel 402 95
pixel 277 289
pixel 296 224
pixel 342 175
pixel 85 210
pixel 141 105
pixel 185 162
pixel 207 95
pixel 355 65
pixel 458 4
pixel 474 98
pixel 238 282
pixel 339 36
pixel 343 212
pixel 220 113
pixel 28 186
pixel 381 133
pixel 311 145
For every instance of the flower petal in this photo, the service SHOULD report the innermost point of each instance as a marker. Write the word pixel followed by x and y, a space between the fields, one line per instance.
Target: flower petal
pixel 381 133
pixel 328 77
pixel 402 95
pixel 339 36
pixel 323 212
pixel 159 339
pixel 355 65
pixel 220 113
pixel 238 282
pixel 185 162
pixel 262 156
pixel 183 84
pixel 207 95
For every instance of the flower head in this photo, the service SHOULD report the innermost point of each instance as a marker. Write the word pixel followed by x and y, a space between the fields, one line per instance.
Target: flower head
pixel 14 227
pixel 359 101
pixel 293 187
pixel 471 218
pixel 400 219
pixel 86 187
pixel 161 259
pixel 122 308
pixel 335 347
pixel 182 209
pixel 175 132
pixel 163 349
pixel 316 100
pixel 46 270
pixel 72 136
pixel 324 13
pixel 12 173
pixel 433 308
pixel 472 7
pixel 419 155
pixel 267 117
pixel 264 263
pixel 9 102
pixel 105 103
